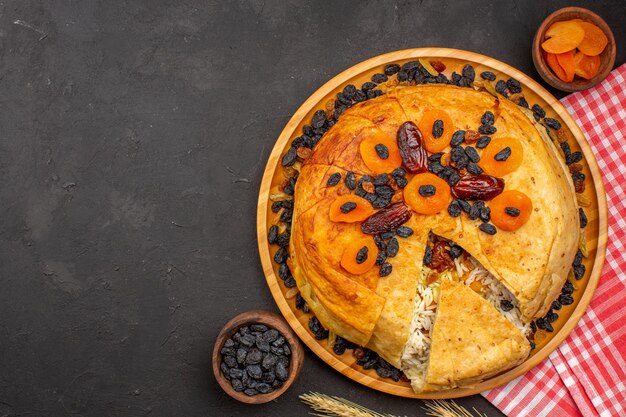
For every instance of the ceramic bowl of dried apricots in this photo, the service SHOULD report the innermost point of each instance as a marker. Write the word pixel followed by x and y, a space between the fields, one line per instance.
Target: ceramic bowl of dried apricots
pixel 573 49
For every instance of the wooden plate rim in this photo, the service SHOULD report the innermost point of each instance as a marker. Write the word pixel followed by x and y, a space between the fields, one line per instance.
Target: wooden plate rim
pixel 274 160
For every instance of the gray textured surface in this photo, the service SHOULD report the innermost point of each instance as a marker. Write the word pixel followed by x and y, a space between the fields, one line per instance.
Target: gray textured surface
pixel 133 137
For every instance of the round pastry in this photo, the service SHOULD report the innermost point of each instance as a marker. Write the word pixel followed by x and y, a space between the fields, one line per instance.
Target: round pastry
pixel 453 226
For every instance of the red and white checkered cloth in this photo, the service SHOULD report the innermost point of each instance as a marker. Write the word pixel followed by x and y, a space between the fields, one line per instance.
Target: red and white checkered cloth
pixel 586 374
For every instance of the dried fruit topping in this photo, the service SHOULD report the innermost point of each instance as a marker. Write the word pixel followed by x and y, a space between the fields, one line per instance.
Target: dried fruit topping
pixel 437 128
pixel 290 157
pixel 391 69
pixel 358 209
pixel 438 66
pixel 471 136
pixel 594 41
pixel 385 269
pixel 387 219
pixel 510 210
pixel 563 36
pixel 478 187
pixel 426 193
pixel 358 257
pixel 488 75
pixel 441 259
pixel 457 138
pixel 333 179
pixel 414 156
pixel 483 141
pixel 375 157
pixel 497 160
pixel 488 118
pixel 488 228
pixel 552 123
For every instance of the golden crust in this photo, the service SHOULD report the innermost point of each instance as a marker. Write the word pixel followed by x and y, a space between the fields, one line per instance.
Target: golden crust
pixel 531 262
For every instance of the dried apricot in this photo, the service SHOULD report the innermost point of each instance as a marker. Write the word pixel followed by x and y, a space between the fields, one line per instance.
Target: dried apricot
pixel 437 129
pixel 566 61
pixel 554 65
pixel 502 156
pixel 510 210
pixel 594 41
pixel 360 256
pixel 426 193
pixel 586 66
pixel 350 208
pixel 563 36
pixel 379 158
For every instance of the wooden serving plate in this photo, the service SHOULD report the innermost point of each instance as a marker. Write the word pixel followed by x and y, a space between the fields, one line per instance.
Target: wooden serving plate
pixel 454 59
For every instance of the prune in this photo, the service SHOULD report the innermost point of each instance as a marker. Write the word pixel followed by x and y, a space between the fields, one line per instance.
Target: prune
pixel 386 219
pixel 404 231
pixel 427 190
pixel 361 256
pixel 349 91
pixel 437 129
pixel 414 156
pixel 454 209
pixel 582 217
pixel 392 247
pixel 347 207
pixel 488 75
pixel 478 187
pixel 272 234
pixel 514 86
pixel 488 228
pixel 290 157
pixel 379 78
pixel 488 118
pixel 333 179
pixel 553 123
pixel 350 180
pixel 506 305
pixel 503 155
pixel 385 269
pixel 468 72
pixel 487 129
pixel 474 169
pixel 457 138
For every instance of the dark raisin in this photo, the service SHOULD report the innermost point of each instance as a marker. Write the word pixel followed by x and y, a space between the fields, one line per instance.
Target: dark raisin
pixel 582 217
pixel 485 214
pixel 250 392
pixel 253 357
pixel 398 173
pixel 488 118
pixel 384 191
pixel 552 317
pixel 538 110
pixel 360 96
pixel 290 157
pixel 381 179
pixel 371 94
pixel 574 157
pixel 503 155
pixel 488 75
pixel 514 86
pixel 281 255
pixel 474 212
pixel 288 189
pixel 427 190
pixel 436 157
pixel 368 86
pixel 231 362
pixel 556 305
pixel 578 176
pixel 290 282
pixel 402 76
pixel 482 142
pixel 314 324
pixel 341 98
pixel 428 256
pixel 381 258
pixel 339 109
pixel 442 79
pixel 347 207
pixel 506 305
pixel 361 256
pixel 522 102
pixel 579 271
pixel 319 118
pixel 237 384
pixel 339 347
pixel 379 78
pixel 568 288
pixel 549 327
pixel 488 228
pixel 404 231
pixel 455 251
pixel 472 154
pixel 452 176
pixel 391 69
pixel 465 206
pixel 553 123
pixel 349 91
pixel 286 216
pixel 283 240
pixel 402 182
pixel 385 269
pixel 501 88
pixel 512 211
pixel 487 129
pixel 541 323
pixel 474 169
pixel 272 234
pixel 281 369
pixel 457 138
pixel 435 167
pixel 458 155
pixel 350 180
pixel 468 72
pixel 533 326
pixel 392 247
pixel 578 259
pixel 454 209
pixel 437 128
pixel 465 82
pixel 455 78
pixel 360 192
pixel 300 302
pixel 387 235
pixel 411 65
pixel 333 179
pixel 566 150
pixel 566 299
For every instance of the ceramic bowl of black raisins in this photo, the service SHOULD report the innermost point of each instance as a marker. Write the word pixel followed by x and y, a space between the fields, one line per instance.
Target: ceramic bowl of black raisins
pixel 256 357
